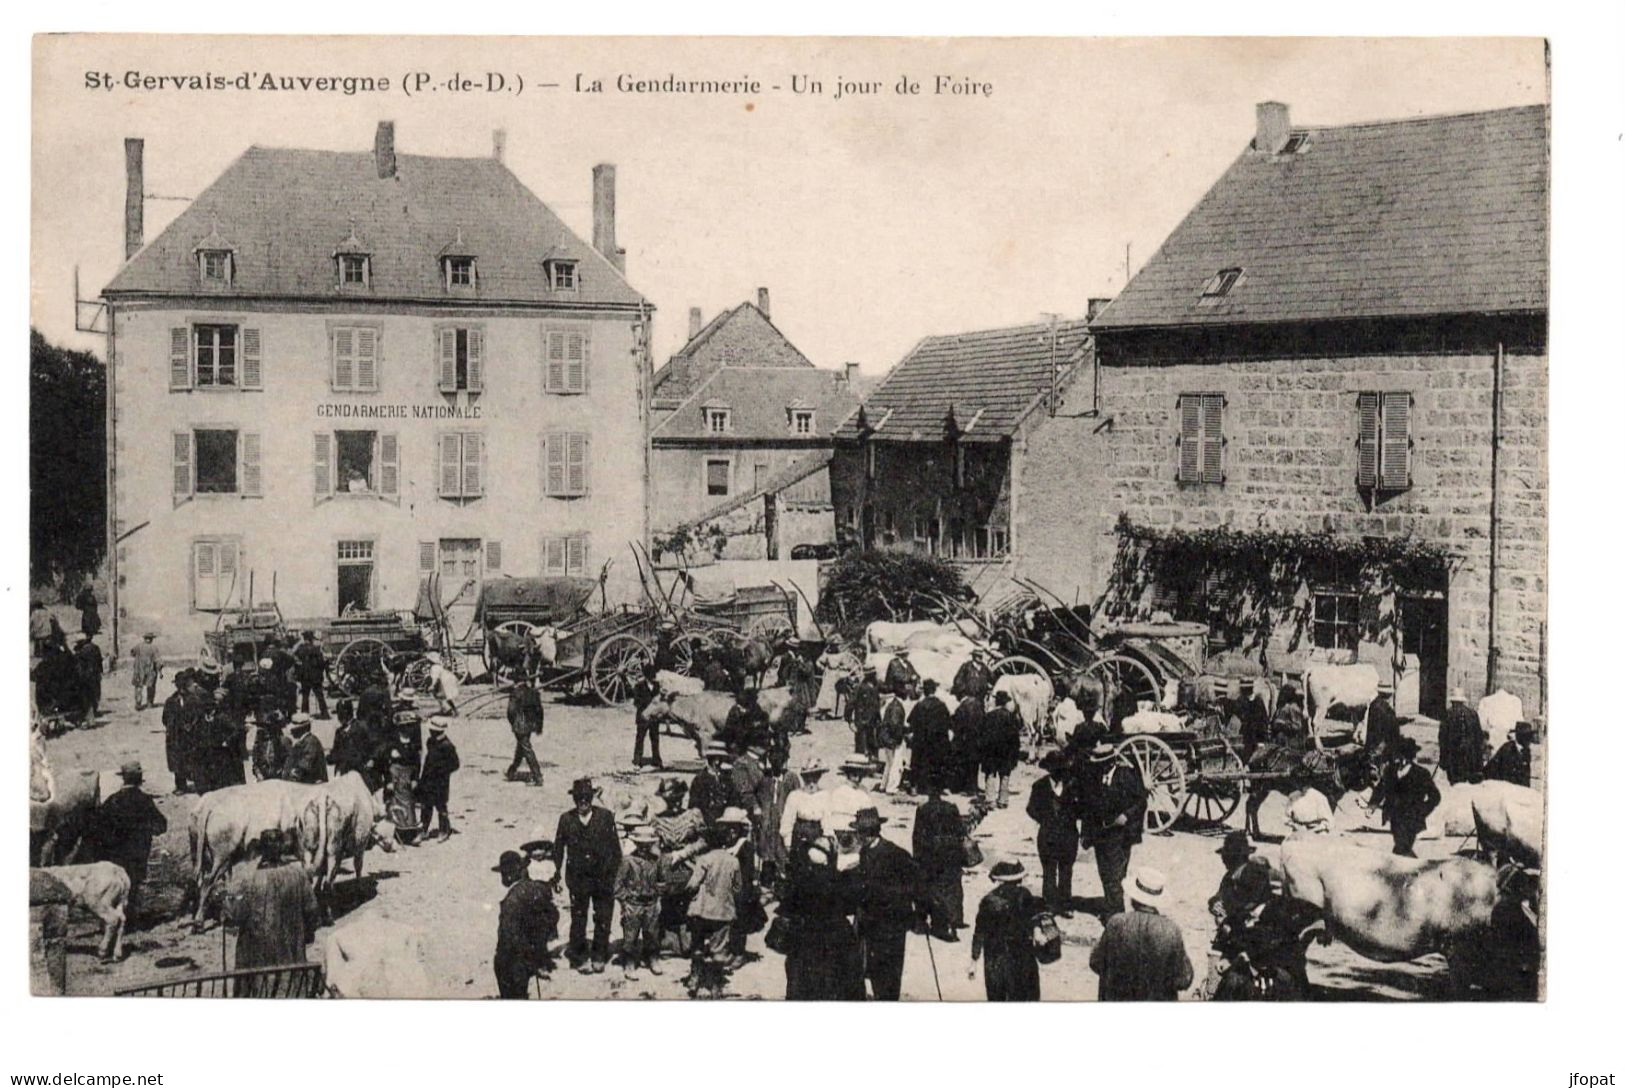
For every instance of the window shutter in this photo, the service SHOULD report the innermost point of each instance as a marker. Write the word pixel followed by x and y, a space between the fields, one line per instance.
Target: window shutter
pixel 251 359
pixel 205 577
pixel 575 555
pixel 448 360
pixel 250 461
pixel 576 474
pixel 1366 442
pixel 493 555
pixel 183 464
pixel 366 359
pixel 553 360
pixel 473 465
pixel 575 362
pixel 1396 441
pixel 1213 438
pixel 552 555
pixel 226 552
pixel 476 360
pixel 324 464
pixel 554 451
pixel 389 465
pixel 451 465
pixel 343 359
pixel 426 551
pixel 1190 447
pixel 180 358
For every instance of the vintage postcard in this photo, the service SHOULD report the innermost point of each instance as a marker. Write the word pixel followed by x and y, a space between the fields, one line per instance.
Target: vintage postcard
pixel 819 519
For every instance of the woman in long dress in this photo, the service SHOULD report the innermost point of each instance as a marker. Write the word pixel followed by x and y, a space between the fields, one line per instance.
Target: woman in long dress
pixel 823 961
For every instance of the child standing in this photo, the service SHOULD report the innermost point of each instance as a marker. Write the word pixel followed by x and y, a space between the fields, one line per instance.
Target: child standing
pixel 440 762
pixel 637 890
pixel 717 884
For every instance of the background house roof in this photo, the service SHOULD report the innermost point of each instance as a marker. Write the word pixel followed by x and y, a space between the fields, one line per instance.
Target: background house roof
pixel 287 211
pixel 740 337
pixel 991 378
pixel 1438 215
pixel 758 400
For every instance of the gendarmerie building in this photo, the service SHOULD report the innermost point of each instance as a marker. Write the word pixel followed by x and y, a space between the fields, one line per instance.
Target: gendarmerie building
pixel 336 372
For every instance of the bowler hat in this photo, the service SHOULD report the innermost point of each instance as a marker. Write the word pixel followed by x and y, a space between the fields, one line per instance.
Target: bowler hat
pixel 1001 697
pixel 1524 729
pixel 671 787
pixel 130 770
pixel 1006 871
pixel 1053 761
pixel 867 821
pixel 582 787
pixel 1236 844
pixel 512 861
pixel 929 686
pixel 1407 747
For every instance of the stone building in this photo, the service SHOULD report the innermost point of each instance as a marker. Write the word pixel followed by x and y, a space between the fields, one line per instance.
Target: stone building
pixel 742 433
pixel 337 372
pixel 1346 336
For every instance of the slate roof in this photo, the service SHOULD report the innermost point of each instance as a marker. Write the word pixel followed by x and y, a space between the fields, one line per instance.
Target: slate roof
pixel 286 212
pixel 742 336
pixel 1437 215
pixel 992 378
pixel 758 399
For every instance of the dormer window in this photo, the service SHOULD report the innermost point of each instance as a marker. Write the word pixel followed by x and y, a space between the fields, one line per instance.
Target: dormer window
pixel 459 273
pixel 716 420
pixel 561 275
pixel 214 265
pixel 801 421
pixel 1295 143
pixel 1221 284
pixel 355 269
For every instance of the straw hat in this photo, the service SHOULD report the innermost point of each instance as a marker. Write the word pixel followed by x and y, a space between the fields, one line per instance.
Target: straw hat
pixel 1007 871
pixel 1458 695
pixel 733 815
pixel 1148 887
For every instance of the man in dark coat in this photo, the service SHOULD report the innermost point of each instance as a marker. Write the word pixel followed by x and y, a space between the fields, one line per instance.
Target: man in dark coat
pixel 1406 794
pixel 823 960
pixel 863 710
pixel 272 906
pixel 1512 761
pixel 526 922
pixel 1053 805
pixel 644 693
pixel 87 659
pixel 965 758
pixel 1112 800
pixel 1004 934
pixel 1461 741
pixel 588 853
pixel 930 739
pixel 310 669
pixel 352 744
pixel 890 734
pixel 939 851
pixel 181 712
pixel 306 761
pixel 90 617
pixel 440 762
pixel 373 708
pixel 973 680
pixel 746 725
pixel 902 678
pixel 1000 748
pixel 709 792
pixel 270 756
pixel 888 905
pixel 126 824
pixel 1141 955
pixel 284 667
pixel 217 751
pixel 1381 723
pixel 525 720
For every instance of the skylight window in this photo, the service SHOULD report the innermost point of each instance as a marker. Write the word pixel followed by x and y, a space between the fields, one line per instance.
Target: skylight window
pixel 1222 283
pixel 1295 143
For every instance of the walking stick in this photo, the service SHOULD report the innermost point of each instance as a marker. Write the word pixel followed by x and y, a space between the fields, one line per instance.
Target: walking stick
pixel 929 951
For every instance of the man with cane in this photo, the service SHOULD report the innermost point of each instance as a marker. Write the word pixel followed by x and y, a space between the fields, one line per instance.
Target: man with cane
pixel 888 904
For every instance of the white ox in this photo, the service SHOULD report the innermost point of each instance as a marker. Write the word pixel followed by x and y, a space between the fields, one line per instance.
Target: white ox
pixel 702 713
pixel 886 636
pixel 102 888
pixel 1350 687
pixel 678 684
pixel 1153 721
pixel 1498 714
pixel 1510 822
pixel 1032 695
pixel 376 957
pixel 931 665
pixel 347 819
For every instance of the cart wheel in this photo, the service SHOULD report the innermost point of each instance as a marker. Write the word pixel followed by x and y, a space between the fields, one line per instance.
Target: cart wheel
pixel 684 651
pixel 1210 803
pixel 361 661
pixel 771 627
pixel 617 665
pixel 1018 665
pixel 416 675
pixel 1164 779
pixel 1119 671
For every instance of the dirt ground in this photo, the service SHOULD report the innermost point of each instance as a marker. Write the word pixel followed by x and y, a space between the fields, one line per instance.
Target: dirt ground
pixel 448 891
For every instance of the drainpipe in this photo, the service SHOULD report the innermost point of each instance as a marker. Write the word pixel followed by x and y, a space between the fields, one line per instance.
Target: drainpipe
pixel 111 409
pixel 1495 511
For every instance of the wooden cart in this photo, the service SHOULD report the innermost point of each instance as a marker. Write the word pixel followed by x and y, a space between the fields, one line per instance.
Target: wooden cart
pixel 357 643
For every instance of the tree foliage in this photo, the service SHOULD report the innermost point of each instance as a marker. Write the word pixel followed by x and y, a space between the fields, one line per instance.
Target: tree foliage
pixel 67 456
pixel 864 586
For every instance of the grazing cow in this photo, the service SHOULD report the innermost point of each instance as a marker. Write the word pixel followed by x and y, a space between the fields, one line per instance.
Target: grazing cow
pixel 701 714
pixel 1510 822
pixel 1348 688
pixel 101 888
pixel 885 636
pixel 1499 713
pixel 1389 908
pixel 1032 695
pixel 376 957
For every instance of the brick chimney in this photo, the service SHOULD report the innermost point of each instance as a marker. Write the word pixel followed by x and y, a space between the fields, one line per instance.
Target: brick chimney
pixel 499 143
pixel 1095 306
pixel 603 215
pixel 694 322
pixel 1274 126
pixel 383 149
pixel 135 185
pixel 763 303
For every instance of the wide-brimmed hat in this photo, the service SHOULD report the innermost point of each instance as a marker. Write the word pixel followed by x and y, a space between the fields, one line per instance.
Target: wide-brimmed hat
pixel 901 653
pixel 511 861
pixel 867 821
pixel 671 787
pixel 582 787
pixel 868 669
pixel 1385 687
pixel 131 769
pixel 643 833
pixel 1001 696
pixel 929 686
pixel 856 765
pixel 149 634
pixel 716 749
pixel 205 666
pixel 733 814
pixel 299 721
pixel 631 821
pixel 438 724
pixel 812 769
pixel 537 849
pixel 1458 695
pixel 1147 887
pixel 1523 729
pixel 1053 761
pixel 1236 844
pixel 1006 871
pixel 1102 750
pixel 1407 747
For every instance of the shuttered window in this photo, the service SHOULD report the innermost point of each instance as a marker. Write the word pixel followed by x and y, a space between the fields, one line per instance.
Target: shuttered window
pixel 566 464
pixel 1384 441
pixel 566 355
pixel 249 462
pixel 357 464
pixel 1201 438
pixel 208 461
pixel 427 551
pixel 565 554
pixel 214 357
pixel 355 359
pixel 493 556
pixel 461 360
pixel 461 468
pixel 215 567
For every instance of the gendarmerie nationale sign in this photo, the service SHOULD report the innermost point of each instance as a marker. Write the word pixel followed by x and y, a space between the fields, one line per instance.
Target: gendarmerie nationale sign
pixel 398 411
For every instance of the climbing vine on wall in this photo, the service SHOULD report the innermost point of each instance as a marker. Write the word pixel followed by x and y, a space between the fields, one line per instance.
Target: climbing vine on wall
pixel 1252 583
pixel 689 539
